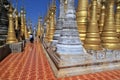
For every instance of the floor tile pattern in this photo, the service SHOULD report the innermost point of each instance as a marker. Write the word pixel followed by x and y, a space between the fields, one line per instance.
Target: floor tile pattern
pixel 32 64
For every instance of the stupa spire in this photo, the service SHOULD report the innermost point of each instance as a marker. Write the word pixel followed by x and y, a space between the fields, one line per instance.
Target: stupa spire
pixel 69 41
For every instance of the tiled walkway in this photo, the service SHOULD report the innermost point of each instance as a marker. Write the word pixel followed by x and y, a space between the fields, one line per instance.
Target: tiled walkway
pixel 32 64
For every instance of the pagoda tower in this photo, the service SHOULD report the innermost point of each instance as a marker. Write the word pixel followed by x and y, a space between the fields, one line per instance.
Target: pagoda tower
pixel 69 43
pixel 68 51
pixel 59 23
pixel 82 18
pixel 11 38
pixel 109 34
pixel 93 41
pixel 52 22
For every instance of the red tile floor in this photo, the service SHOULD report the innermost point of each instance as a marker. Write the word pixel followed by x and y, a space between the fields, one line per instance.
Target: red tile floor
pixel 32 64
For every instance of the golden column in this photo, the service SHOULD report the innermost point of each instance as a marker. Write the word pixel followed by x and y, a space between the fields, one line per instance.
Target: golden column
pixel 102 17
pixel 92 40
pixel 52 23
pixel 11 38
pixel 22 22
pixel 39 28
pixel 82 18
pixel 109 34
pixel 117 17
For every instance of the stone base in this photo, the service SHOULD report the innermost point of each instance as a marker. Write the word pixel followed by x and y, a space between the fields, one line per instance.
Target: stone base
pixel 71 65
pixel 16 47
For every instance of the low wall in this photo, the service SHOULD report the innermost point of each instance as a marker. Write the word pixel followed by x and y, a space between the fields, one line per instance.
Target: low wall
pixel 17 47
pixel 4 51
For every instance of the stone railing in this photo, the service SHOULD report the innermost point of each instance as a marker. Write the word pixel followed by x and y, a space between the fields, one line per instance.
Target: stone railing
pixel 105 55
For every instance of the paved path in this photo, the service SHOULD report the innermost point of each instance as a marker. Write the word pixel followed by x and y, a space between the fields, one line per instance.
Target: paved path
pixel 32 64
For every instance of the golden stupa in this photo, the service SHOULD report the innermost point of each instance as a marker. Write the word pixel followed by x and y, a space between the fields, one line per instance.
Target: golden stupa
pixel 11 38
pixel 52 23
pixel 82 18
pixel 93 40
pixel 109 34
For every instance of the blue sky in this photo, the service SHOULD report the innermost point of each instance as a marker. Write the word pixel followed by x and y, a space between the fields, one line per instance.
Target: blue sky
pixel 35 8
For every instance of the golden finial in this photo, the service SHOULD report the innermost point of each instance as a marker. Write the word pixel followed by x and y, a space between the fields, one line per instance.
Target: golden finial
pixel 81 15
pixel 109 34
pixel 92 40
pixel 11 38
pixel 102 17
